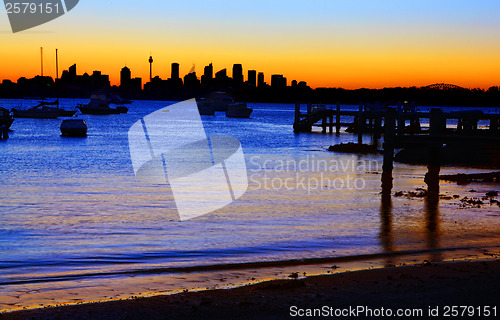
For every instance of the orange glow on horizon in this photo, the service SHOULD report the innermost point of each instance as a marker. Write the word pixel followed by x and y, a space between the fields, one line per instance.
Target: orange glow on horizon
pixel 345 63
pixel 350 71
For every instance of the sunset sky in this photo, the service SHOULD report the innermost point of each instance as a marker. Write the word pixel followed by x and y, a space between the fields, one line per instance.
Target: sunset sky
pixel 348 43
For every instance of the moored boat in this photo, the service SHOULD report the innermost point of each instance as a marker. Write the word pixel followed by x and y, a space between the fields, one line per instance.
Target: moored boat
pixel 62 112
pixel 99 105
pixel 205 108
pixel 218 100
pixel 66 113
pixel 73 128
pixel 238 110
pixel 115 99
pixel 43 110
pixel 122 109
pixel 37 112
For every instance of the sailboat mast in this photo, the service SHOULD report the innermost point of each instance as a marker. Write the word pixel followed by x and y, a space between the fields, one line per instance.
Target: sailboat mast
pixel 41 59
pixel 57 77
pixel 57 66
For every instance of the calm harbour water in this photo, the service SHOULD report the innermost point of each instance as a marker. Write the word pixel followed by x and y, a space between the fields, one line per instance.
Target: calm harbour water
pixel 71 207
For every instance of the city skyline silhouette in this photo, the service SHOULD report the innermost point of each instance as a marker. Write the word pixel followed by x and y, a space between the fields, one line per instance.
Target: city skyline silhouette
pixel 241 83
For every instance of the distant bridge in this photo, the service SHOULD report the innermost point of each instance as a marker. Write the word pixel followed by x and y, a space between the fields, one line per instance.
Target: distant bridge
pixel 443 86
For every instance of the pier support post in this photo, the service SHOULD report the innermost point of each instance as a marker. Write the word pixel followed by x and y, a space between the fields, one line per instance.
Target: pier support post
pixel 436 128
pixel 414 124
pixel 337 120
pixel 323 124
pixel 296 124
pixel 378 127
pixel 401 123
pixel 437 125
pixel 330 125
pixel 361 124
pixel 460 125
pixel 389 144
pixel 494 125
pixel 297 112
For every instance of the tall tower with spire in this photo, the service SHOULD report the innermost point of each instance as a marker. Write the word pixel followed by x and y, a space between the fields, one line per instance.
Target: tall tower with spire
pixel 150 68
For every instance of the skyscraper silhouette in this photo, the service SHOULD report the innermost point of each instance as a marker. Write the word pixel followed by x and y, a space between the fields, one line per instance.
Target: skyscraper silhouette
pixel 261 82
pixel 237 74
pixel 206 78
pixel 278 81
pixel 72 71
pixel 209 71
pixel 175 71
pixel 125 76
pixel 221 74
pixel 252 77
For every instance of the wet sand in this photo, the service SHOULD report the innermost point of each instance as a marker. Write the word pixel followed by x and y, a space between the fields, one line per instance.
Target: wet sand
pixel 434 285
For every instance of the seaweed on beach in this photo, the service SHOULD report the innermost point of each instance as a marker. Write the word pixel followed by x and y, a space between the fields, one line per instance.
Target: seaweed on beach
pixel 462 178
pixel 465 202
pixel 476 202
pixel 354 148
pixel 418 193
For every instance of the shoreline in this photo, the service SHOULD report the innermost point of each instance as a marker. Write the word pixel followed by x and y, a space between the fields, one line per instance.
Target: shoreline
pixel 228 267
pixel 421 286
pixel 282 278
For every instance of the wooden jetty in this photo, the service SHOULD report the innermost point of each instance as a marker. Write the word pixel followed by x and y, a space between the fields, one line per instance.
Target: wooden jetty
pixel 368 119
pixel 316 113
pixel 401 127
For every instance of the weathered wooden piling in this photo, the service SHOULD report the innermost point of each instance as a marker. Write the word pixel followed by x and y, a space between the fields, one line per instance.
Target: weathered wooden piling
pixel 378 128
pixel 437 125
pixel 337 120
pixel 297 112
pixel 494 125
pixel 401 123
pixel 361 124
pixel 389 145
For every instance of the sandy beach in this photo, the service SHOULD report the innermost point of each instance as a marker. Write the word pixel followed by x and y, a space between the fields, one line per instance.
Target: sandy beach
pixel 418 289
